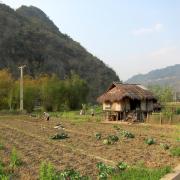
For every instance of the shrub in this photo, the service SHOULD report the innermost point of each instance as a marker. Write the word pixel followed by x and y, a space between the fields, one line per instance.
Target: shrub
pixel 150 141
pixel 175 151
pixel 14 159
pixel 60 136
pixel 98 136
pixel 164 146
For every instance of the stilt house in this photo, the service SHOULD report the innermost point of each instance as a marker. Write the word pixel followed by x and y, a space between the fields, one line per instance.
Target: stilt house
pixel 127 101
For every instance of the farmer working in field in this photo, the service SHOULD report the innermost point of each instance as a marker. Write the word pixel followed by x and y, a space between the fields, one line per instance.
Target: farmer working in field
pixel 46 116
pixel 92 112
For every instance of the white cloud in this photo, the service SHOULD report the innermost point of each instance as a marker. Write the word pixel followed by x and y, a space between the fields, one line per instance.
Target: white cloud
pixel 156 28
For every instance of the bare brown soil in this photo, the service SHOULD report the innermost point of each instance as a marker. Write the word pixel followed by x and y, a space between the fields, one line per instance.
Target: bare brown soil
pixel 82 151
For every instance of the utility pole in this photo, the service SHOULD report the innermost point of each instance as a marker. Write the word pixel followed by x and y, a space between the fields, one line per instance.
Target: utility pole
pixel 21 87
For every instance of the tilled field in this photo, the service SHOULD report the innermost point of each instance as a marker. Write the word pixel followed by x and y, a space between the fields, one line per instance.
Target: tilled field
pixel 82 151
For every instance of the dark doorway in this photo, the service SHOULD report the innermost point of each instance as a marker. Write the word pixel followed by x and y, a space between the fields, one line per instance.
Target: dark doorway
pixel 134 104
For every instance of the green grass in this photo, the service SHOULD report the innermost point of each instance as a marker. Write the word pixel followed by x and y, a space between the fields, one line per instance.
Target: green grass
pixel 175 151
pixel 74 116
pixel 140 173
pixel 3 175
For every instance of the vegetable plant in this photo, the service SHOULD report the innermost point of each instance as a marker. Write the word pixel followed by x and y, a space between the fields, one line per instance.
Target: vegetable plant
pixel 164 146
pixel 122 165
pixel 150 141
pixel 111 139
pixel 104 170
pixel 127 134
pixel 98 136
pixel 59 136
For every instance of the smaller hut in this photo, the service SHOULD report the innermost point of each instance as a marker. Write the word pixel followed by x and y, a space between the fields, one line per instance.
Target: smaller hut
pixel 127 102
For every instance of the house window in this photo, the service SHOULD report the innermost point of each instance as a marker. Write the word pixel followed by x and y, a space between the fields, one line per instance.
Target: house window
pixel 107 106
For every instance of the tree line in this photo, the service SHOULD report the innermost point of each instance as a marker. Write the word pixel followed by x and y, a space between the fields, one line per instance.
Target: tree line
pixel 163 94
pixel 46 91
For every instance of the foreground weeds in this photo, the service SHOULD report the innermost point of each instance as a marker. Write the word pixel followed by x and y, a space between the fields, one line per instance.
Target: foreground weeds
pixel 48 172
pixel 140 173
pixel 175 151
pixel 7 171
pixel 15 160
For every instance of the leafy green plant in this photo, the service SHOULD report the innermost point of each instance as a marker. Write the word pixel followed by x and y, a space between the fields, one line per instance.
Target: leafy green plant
pixel 106 142
pixel 1 168
pixel 127 134
pixel 104 170
pixel 111 139
pixel 4 177
pixel 47 172
pixel 122 165
pixel 164 146
pixel 98 136
pixel 150 141
pixel 15 159
pixel 178 111
pixel 59 136
pixel 72 174
pixel 116 127
pixel 175 151
pixel 1 146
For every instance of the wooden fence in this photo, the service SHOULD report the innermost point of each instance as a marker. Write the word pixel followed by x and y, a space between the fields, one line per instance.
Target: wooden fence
pixel 159 118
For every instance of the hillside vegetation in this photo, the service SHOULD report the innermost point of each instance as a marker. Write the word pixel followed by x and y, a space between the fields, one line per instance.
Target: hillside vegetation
pixel 28 36
pixel 169 76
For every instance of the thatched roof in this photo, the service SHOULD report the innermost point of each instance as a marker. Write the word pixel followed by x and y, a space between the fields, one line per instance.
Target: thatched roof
pixel 119 91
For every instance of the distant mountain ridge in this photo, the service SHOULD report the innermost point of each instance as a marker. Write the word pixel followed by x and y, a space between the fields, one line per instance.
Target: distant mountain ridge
pixel 169 76
pixel 28 36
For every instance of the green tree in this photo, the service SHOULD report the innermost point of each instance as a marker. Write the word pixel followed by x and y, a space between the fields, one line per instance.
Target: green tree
pixel 163 94
pixel 76 91
pixel 6 84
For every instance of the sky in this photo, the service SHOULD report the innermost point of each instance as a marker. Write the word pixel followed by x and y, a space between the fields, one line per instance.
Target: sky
pixel 130 36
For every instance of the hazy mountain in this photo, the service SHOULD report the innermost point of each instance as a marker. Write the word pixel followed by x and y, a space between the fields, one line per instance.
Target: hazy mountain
pixel 169 76
pixel 28 36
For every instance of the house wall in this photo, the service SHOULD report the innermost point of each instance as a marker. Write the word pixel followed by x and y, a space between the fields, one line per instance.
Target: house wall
pixel 107 106
pixel 124 105
pixel 144 105
pixel 117 106
pixel 150 106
